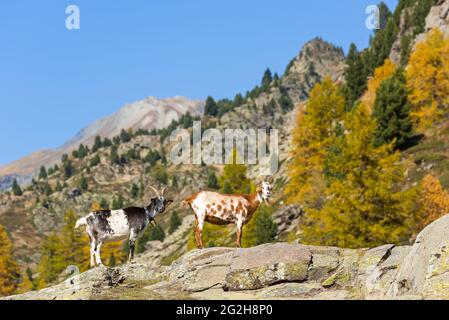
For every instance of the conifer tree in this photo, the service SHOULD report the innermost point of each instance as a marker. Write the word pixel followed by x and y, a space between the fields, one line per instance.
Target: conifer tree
pixel 42 173
pixel 97 144
pixel 355 75
pixel 212 181
pixel 174 181
pixel 260 229
pixel 69 247
pixel 175 222
pixel 364 201
pixel 433 201
pixel 103 204
pixel 211 107
pixel 266 79
pixel 380 74
pixel 134 190
pixel 48 268
pixel 68 169
pixel 95 160
pixel 234 178
pixel 16 190
pixel 392 112
pixel 83 184
pixel 9 270
pixel 313 133
pixel 428 79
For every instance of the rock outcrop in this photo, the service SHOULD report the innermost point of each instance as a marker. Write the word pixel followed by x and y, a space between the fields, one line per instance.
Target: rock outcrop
pixel 276 271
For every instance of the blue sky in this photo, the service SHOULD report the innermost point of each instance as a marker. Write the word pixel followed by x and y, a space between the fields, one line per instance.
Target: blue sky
pixel 55 81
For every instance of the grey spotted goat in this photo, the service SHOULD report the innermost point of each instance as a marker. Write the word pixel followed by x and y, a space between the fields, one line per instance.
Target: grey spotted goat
pixel 112 225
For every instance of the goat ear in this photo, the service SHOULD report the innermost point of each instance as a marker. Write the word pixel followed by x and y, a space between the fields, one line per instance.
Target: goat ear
pixel 168 202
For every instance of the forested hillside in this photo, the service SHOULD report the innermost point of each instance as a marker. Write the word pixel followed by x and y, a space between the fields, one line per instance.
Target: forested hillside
pixel 363 160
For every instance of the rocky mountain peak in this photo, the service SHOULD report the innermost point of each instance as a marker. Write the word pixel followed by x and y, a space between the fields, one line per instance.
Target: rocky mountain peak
pixel 149 113
pixel 316 60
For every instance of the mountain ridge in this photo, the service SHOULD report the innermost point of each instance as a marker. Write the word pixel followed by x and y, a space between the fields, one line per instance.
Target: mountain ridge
pixel 148 113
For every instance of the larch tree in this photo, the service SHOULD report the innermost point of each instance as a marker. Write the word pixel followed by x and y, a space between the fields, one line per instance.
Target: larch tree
pixel 380 74
pixel 433 200
pixel 428 79
pixel 234 179
pixel 9 270
pixel 312 135
pixel 365 204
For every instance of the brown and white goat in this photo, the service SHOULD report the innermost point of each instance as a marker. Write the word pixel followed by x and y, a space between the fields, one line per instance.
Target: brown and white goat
pixel 223 209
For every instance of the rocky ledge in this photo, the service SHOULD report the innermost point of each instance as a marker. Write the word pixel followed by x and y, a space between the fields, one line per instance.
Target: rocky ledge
pixel 276 271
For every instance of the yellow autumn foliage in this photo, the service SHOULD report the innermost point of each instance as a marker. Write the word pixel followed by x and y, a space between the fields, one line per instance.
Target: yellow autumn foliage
pixel 9 271
pixel 434 202
pixel 364 204
pixel 380 74
pixel 428 79
pixel 311 136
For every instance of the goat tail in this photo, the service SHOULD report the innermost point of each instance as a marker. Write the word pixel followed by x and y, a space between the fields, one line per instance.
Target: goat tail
pixel 81 222
pixel 188 201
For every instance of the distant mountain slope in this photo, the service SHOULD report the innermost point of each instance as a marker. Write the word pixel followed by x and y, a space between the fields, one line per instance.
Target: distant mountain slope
pixel 149 113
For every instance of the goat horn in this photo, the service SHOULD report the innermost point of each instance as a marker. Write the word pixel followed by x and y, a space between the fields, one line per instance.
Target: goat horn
pixel 163 189
pixel 155 190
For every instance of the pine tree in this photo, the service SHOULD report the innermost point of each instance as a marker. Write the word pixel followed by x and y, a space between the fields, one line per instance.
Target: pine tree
pixel 42 173
pixel 175 222
pixel 95 161
pixel 120 202
pixel 98 144
pixel 126 136
pixel 47 189
pixel 134 190
pixel 9 270
pixel 313 133
pixel 150 234
pixel 210 108
pixel 103 204
pixel 58 187
pixel 113 156
pixel 266 79
pixel 82 151
pixel 68 169
pixel 16 190
pixel 428 79
pixel 364 201
pixel 174 181
pixel 83 184
pixel 355 76
pixel 212 181
pixel 392 112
